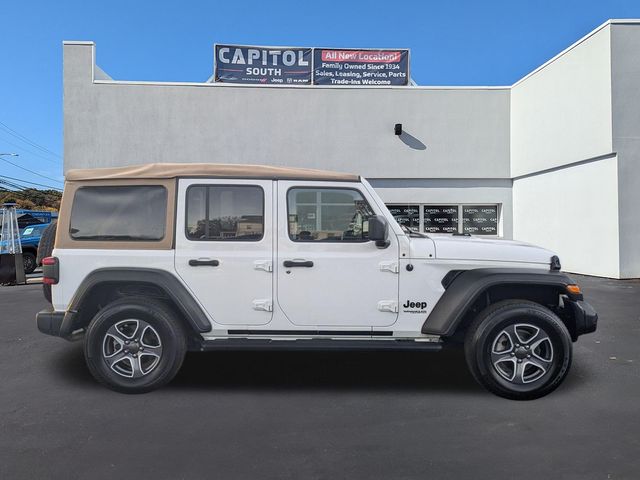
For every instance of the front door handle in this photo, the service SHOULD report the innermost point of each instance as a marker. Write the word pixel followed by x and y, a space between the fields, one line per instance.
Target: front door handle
pixel 298 263
pixel 203 263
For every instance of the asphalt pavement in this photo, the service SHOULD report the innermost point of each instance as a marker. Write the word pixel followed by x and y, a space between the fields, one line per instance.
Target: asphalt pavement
pixel 306 415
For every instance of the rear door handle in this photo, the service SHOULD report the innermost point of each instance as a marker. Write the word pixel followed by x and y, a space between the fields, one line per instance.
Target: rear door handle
pixel 298 263
pixel 203 263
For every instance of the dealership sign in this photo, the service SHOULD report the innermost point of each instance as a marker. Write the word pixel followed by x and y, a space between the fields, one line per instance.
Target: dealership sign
pixel 262 65
pixel 305 66
pixel 360 67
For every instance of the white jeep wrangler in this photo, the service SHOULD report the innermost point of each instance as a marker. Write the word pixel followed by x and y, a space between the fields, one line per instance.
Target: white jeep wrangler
pixel 153 260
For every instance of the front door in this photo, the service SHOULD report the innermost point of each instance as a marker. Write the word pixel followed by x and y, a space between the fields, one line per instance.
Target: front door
pixel 224 247
pixel 329 273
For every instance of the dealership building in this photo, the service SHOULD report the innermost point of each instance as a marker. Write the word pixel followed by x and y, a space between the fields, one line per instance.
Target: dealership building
pixel 553 159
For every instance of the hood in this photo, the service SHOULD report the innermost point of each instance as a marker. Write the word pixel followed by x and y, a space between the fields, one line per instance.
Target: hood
pixel 490 249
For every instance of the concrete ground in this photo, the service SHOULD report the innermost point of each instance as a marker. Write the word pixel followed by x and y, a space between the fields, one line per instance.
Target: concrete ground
pixel 306 415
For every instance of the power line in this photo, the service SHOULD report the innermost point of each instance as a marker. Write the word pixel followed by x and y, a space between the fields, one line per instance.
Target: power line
pixel 31 183
pixel 12 185
pixel 22 188
pixel 55 162
pixel 7 186
pixel 10 188
pixel 11 131
pixel 30 171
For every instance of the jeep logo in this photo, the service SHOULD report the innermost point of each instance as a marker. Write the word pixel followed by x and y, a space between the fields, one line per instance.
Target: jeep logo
pixel 420 306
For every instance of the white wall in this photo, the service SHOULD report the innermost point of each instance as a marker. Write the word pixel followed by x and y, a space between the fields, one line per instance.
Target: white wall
pixel 450 132
pixel 625 46
pixel 574 212
pixel 565 170
pixel 561 112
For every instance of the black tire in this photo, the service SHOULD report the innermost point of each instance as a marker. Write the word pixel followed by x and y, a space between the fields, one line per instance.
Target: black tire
pixel 47 240
pixel 148 312
pixel 29 262
pixel 500 363
pixel 45 249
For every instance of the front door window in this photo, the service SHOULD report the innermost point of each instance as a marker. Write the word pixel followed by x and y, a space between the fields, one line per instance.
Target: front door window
pixel 328 215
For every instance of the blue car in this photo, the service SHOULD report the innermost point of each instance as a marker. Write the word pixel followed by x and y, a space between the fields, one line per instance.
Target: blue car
pixel 30 239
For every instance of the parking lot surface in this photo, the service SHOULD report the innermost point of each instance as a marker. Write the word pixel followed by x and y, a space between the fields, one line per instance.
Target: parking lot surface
pixel 311 415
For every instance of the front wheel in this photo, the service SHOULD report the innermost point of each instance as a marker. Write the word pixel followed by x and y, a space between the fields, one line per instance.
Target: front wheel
pixel 518 349
pixel 135 345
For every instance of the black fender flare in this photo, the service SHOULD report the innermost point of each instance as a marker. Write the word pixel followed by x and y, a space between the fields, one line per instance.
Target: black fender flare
pixel 165 281
pixel 467 286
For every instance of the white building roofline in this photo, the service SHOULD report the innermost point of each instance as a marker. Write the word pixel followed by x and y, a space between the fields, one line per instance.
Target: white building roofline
pixel 630 21
pixel 315 87
pixel 210 83
pixel 78 42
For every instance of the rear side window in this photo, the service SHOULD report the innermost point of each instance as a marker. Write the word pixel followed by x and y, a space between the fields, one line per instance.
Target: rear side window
pixel 225 213
pixel 119 213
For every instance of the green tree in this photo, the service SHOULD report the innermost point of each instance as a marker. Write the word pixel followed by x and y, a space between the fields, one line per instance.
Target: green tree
pixel 32 198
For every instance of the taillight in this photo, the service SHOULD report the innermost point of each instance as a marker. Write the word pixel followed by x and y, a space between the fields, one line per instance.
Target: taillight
pixel 50 270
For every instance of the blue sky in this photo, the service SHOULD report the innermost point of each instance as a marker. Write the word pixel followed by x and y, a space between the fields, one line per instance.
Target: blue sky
pixel 452 43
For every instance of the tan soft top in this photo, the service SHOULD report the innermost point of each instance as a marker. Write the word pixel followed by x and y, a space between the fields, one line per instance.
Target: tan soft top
pixel 214 170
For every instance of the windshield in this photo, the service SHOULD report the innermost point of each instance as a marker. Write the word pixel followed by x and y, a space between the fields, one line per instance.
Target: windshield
pixel 30 232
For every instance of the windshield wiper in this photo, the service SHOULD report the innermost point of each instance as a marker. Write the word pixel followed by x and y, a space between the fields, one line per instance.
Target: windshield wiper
pixel 413 233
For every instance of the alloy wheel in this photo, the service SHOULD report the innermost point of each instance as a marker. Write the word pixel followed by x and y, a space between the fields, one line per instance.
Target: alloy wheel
pixel 522 353
pixel 132 348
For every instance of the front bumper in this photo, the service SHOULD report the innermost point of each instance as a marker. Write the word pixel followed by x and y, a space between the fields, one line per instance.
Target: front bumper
pixel 55 323
pixel 584 316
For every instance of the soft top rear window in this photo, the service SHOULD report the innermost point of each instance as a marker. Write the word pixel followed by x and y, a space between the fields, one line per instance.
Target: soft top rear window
pixel 119 213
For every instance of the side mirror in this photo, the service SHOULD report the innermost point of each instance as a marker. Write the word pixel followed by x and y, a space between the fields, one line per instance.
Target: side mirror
pixel 378 231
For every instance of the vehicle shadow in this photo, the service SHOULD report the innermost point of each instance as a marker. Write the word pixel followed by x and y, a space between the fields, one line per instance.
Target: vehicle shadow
pixel 387 371
pixel 317 370
pixel 303 370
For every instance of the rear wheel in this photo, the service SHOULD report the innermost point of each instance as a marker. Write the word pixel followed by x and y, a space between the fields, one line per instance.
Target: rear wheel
pixel 45 249
pixel 518 349
pixel 47 240
pixel 29 262
pixel 135 345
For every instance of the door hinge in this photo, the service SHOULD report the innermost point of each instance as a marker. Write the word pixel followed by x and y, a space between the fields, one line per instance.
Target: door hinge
pixel 265 265
pixel 388 306
pixel 263 304
pixel 389 267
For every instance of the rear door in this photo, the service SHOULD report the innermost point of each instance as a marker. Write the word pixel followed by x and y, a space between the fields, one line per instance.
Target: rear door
pixel 328 272
pixel 224 247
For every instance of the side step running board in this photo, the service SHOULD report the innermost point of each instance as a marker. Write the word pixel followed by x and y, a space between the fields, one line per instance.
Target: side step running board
pixel 316 344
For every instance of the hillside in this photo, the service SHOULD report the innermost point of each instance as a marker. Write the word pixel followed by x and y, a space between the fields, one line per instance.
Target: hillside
pixel 32 198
